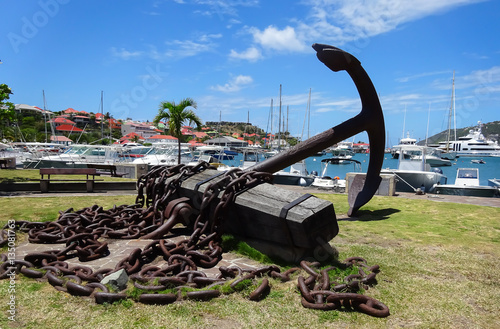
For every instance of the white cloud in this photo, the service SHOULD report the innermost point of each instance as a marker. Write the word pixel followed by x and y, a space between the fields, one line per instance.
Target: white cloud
pixel 125 54
pixel 188 48
pixel 276 39
pixel 176 49
pixel 482 77
pixel 221 7
pixel 347 20
pixel 344 105
pixel 421 75
pixel 252 54
pixel 236 84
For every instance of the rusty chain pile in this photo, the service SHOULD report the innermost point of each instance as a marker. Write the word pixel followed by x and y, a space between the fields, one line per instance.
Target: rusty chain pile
pixel 155 213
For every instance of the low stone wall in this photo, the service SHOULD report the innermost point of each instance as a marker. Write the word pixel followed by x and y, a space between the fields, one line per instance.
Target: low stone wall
pixel 387 186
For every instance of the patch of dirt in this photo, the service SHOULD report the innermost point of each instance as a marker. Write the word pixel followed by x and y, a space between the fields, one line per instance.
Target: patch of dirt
pixel 213 322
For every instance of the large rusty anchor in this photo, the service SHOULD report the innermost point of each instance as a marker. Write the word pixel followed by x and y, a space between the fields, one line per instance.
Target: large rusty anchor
pixel 370 119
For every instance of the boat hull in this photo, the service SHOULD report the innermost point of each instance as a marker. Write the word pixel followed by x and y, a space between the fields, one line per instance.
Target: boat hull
pixel 479 191
pixel 411 180
pixel 290 179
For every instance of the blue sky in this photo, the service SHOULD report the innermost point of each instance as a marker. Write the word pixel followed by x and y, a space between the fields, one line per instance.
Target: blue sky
pixel 232 56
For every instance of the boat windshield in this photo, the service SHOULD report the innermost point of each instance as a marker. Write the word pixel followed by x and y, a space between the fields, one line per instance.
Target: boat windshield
pixel 467 173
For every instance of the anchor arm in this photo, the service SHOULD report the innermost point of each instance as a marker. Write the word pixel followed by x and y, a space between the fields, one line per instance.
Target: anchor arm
pixel 370 119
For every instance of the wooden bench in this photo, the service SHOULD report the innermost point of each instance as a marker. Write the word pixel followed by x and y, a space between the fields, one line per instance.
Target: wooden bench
pixel 104 169
pixel 89 172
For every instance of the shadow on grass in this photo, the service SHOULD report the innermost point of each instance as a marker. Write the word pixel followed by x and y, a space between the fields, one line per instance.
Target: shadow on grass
pixel 369 215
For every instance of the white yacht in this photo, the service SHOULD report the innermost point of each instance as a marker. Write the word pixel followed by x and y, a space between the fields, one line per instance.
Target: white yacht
pixel 434 158
pixel 413 172
pixel 165 156
pixel 474 144
pixel 78 155
pixel 395 151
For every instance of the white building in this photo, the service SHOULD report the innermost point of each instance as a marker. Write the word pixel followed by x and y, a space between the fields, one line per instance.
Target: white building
pixel 142 129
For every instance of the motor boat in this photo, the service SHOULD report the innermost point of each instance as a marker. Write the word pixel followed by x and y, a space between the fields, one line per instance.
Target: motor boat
pixel 467 184
pixel 297 175
pixel 327 182
pixel 414 173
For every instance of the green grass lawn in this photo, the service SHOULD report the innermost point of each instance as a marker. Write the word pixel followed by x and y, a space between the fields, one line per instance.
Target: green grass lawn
pixel 27 175
pixel 440 268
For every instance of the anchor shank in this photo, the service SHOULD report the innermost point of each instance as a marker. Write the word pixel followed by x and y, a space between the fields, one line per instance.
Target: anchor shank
pixel 309 147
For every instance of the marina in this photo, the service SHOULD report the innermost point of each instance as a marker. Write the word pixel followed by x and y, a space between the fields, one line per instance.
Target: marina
pixel 313 166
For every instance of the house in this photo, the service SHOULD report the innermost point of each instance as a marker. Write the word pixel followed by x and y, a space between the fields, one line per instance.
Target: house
pixel 71 111
pixel 63 140
pixel 162 139
pixel 114 124
pixel 227 141
pixel 61 121
pixel 186 131
pixel 200 134
pixel 129 137
pixel 144 130
pixel 81 119
pixel 193 143
pixel 278 143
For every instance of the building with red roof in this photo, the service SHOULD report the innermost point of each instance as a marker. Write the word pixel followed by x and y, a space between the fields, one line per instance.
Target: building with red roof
pixel 70 110
pixel 61 121
pixel 200 134
pixel 68 128
pixel 163 139
pixel 63 140
pixel 144 130
pixel 128 138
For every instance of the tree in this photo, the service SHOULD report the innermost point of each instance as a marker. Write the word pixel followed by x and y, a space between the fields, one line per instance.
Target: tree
pixel 7 112
pixel 135 139
pixel 176 115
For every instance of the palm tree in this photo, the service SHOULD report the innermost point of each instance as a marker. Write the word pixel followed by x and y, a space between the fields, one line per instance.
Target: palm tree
pixel 176 115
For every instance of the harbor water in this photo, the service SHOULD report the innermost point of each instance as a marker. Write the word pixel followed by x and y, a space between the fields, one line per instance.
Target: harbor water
pixel 489 170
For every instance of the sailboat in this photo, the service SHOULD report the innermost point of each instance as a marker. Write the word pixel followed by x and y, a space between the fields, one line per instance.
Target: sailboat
pixel 447 152
pixel 298 174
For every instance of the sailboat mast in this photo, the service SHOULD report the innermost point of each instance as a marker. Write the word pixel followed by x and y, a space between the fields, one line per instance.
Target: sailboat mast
pixel 44 117
pixel 454 112
pixel 404 123
pixel 286 130
pixel 428 118
pixel 279 123
pixel 102 119
pixel 218 128
pixel 272 117
pixel 50 119
pixel 452 106
pixel 308 113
